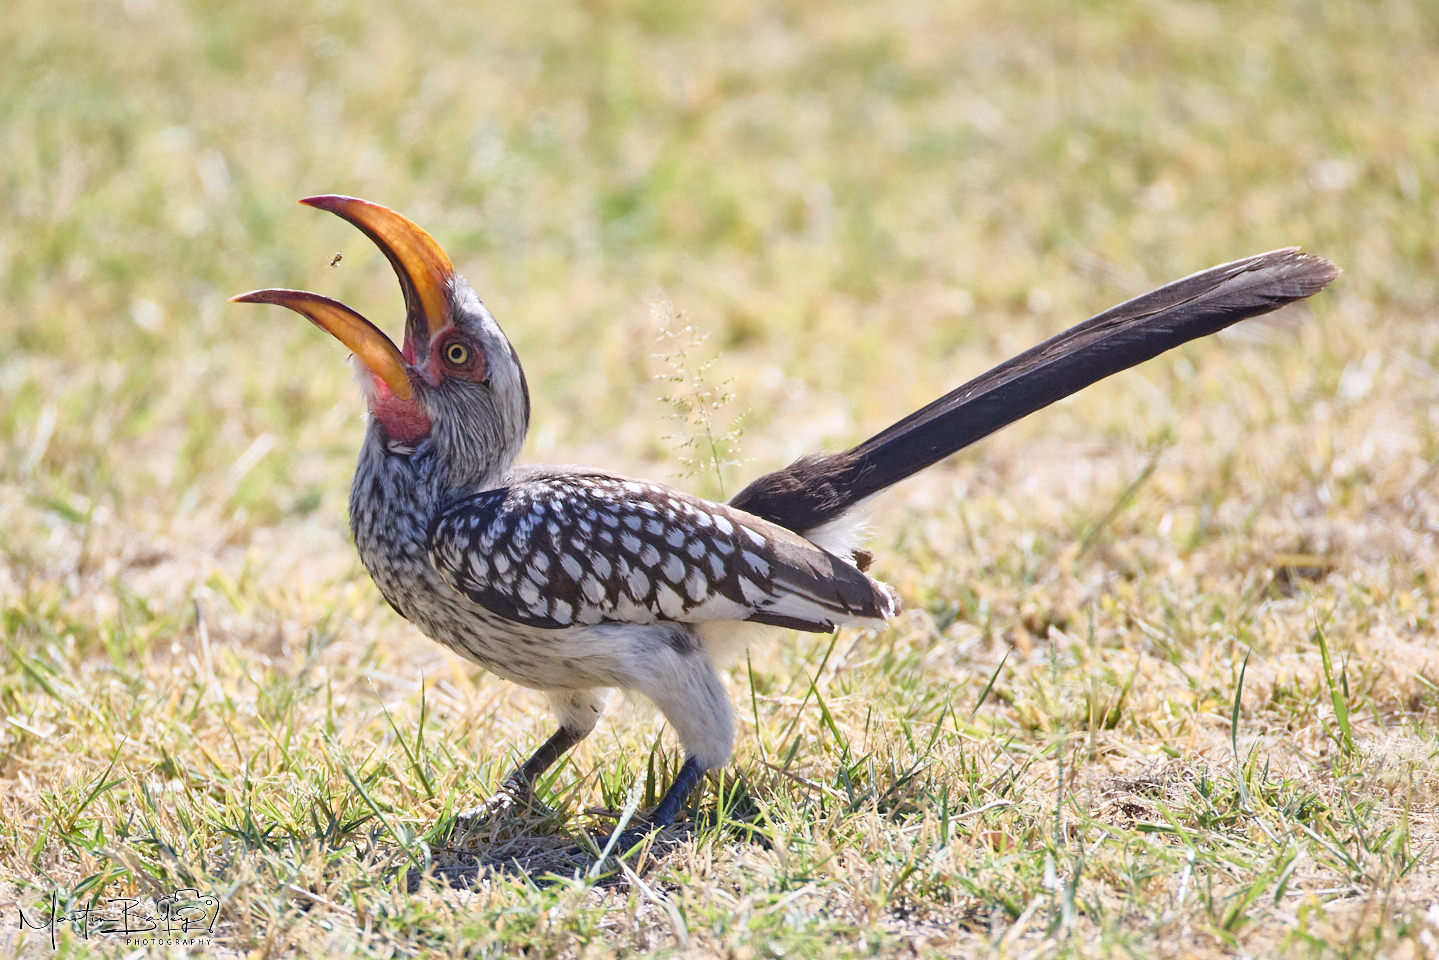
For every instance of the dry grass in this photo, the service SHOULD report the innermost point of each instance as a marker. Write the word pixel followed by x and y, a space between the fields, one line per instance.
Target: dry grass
pixel 1165 685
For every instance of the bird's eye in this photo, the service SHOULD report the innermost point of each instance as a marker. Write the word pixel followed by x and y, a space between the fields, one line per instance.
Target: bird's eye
pixel 457 354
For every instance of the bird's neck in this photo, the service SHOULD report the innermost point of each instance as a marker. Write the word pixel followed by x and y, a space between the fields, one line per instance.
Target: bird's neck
pixel 391 504
pixel 399 489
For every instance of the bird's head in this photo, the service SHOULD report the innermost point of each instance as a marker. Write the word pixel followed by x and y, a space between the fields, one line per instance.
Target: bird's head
pixel 456 383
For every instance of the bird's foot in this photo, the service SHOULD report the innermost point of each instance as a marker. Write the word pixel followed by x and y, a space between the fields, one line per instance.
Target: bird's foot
pixel 654 837
pixel 513 807
pixel 656 830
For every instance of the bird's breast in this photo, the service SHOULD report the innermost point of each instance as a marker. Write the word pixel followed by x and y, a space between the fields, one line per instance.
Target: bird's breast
pixel 391 506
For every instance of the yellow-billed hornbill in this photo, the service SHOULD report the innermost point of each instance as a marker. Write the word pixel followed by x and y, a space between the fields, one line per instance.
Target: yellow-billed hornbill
pixel 573 581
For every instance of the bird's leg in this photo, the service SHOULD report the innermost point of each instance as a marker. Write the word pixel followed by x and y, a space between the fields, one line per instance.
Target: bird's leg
pixel 682 682
pixel 578 712
pixel 684 784
pixel 675 671
pixel 521 783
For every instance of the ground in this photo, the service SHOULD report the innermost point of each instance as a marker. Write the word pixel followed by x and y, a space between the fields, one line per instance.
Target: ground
pixel 1165 681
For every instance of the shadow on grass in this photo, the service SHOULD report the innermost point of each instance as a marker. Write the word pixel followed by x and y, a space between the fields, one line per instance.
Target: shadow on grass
pixel 543 848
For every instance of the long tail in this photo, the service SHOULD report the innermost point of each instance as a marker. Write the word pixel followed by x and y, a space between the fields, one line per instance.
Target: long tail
pixel 817 489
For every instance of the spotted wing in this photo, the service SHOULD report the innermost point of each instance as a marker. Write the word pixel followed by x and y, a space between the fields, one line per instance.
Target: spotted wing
pixel 575 549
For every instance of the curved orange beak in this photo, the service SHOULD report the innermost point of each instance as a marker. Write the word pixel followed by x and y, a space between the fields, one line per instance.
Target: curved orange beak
pixel 425 274
pixel 424 270
pixel 365 340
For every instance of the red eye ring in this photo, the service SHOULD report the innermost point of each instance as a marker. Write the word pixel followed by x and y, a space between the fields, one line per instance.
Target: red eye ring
pixel 459 357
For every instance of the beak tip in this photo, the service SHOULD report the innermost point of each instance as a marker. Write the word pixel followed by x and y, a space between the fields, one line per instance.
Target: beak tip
pixel 281 298
pixel 424 269
pixel 333 202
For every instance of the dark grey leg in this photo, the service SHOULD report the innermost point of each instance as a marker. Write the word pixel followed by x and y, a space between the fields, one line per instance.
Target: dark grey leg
pixel 685 782
pixel 665 811
pixel 577 710
pixel 522 781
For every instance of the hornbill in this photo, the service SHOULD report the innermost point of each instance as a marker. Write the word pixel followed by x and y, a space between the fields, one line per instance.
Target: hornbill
pixel 574 581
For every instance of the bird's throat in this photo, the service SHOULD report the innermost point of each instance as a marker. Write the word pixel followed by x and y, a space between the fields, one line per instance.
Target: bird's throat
pixel 404 421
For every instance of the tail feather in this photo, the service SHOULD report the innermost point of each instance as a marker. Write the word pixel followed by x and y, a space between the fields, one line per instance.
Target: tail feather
pixel 816 490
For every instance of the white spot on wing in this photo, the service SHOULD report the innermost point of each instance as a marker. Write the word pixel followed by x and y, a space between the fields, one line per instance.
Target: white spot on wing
pixel 669 602
pixel 751 591
pixel 696 585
